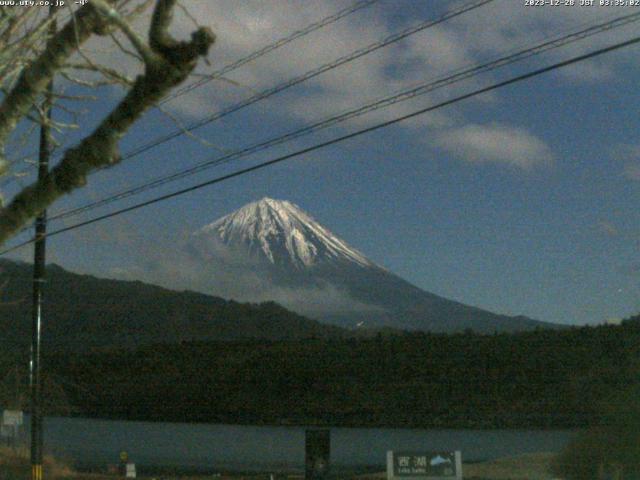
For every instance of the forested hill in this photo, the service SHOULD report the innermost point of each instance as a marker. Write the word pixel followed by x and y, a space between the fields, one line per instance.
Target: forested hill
pixel 83 311
pixel 541 379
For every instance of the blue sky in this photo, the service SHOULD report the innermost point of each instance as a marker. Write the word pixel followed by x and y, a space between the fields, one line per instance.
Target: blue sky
pixel 522 201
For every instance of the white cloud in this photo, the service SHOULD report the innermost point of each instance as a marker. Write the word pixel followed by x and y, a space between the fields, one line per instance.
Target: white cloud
pixel 244 27
pixel 496 143
pixel 212 268
pixel 477 36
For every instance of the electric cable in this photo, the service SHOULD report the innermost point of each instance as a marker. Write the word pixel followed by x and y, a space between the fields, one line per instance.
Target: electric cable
pixel 350 57
pixel 359 5
pixel 421 89
pixel 342 138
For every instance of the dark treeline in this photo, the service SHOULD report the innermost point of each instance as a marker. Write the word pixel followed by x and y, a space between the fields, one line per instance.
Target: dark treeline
pixel 541 379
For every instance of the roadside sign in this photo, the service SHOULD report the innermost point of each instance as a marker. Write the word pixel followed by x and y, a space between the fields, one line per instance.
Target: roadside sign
pixel 11 426
pixel 424 465
pixel 12 417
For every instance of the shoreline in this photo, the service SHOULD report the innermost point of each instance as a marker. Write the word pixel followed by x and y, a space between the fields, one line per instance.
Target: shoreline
pixel 320 425
pixel 533 466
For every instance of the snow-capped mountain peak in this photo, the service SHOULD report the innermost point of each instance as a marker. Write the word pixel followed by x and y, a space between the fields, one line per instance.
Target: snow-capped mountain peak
pixel 282 233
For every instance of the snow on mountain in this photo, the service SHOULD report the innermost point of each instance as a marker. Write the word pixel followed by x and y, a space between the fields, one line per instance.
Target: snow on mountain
pixel 282 233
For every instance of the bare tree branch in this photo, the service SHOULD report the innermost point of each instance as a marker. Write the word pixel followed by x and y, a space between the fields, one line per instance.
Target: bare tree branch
pixel 37 75
pixel 113 16
pixel 171 63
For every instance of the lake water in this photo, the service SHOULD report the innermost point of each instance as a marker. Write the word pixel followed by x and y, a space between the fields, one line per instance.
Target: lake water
pixel 207 446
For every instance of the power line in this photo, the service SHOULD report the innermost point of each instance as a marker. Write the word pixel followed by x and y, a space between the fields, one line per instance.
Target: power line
pixel 336 140
pixel 396 37
pixel 359 5
pixel 304 77
pixel 269 48
pixel 421 89
pixel 308 75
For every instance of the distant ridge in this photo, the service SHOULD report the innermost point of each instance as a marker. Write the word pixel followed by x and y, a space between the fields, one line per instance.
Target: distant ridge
pixel 84 312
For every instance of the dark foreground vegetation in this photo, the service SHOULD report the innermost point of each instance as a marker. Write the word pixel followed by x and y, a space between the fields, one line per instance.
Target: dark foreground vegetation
pixel 542 379
pixel 610 448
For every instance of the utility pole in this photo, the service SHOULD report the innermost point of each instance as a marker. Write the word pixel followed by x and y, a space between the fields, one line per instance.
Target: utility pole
pixel 35 379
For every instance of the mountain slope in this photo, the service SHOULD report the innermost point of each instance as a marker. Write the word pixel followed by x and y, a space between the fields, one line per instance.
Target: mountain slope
pixel 83 311
pixel 287 248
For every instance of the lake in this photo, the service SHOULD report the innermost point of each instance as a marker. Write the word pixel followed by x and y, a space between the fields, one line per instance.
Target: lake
pixel 211 447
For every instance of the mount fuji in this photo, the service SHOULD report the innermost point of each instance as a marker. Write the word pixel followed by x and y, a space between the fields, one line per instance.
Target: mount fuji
pixel 297 262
